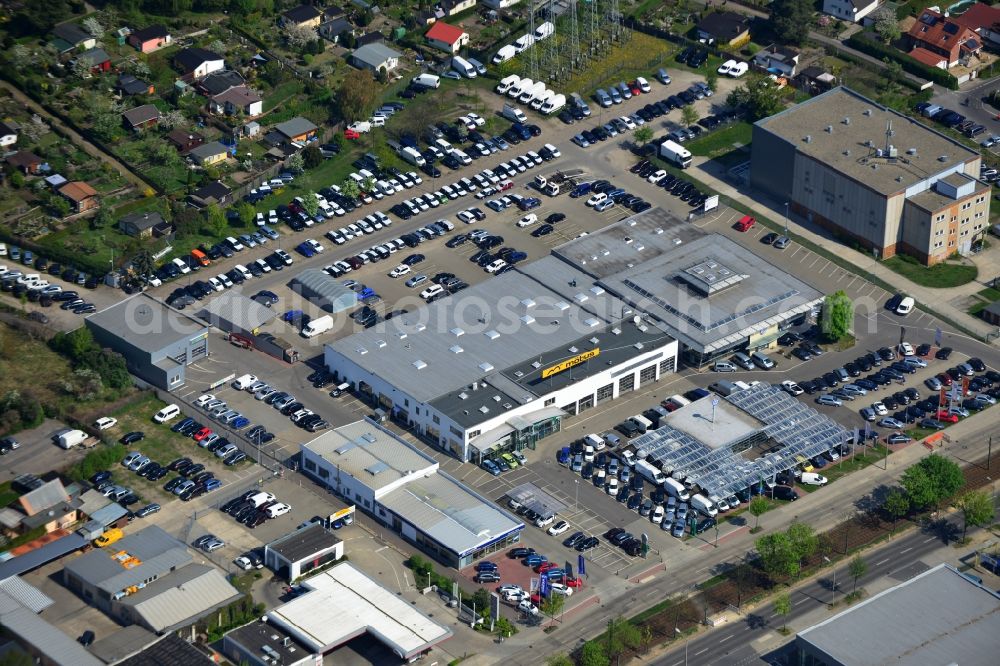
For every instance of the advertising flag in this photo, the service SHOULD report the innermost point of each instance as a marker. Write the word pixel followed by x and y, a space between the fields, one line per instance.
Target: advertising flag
pixel 543 588
pixel 580 567
pixel 937 337
pixel 943 399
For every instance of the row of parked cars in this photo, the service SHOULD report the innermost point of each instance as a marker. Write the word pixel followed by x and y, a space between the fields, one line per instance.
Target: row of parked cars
pixel 254 507
pixel 282 401
pixel 228 452
pixel 684 190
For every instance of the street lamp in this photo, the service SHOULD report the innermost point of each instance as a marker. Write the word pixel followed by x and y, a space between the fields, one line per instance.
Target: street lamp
pixel 833 601
pixel 576 502
pixel 678 631
pixel 786 218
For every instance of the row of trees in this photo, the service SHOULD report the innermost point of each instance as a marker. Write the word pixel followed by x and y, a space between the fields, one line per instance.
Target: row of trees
pixel 84 353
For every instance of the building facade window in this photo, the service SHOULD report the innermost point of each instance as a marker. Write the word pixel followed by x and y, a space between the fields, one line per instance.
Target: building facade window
pixel 647 374
pixel 626 384
pixel 604 393
pixel 668 365
pixel 550 401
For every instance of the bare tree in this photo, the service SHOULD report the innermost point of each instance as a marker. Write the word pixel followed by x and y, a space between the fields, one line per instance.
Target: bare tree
pixel 93 26
pixel 299 36
pixel 171 119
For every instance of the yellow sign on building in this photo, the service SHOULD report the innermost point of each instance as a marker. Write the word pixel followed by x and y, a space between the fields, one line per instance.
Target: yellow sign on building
pixel 570 362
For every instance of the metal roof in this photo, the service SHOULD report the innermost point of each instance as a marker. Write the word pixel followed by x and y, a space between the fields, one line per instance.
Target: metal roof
pixel 122 643
pixel 323 291
pixel 833 129
pixel 179 597
pixel 25 594
pixel 342 603
pixel 231 309
pixel 168 650
pixel 798 429
pixel 304 542
pixel 503 321
pixel 450 513
pixel 19 616
pixel 39 556
pixel 108 514
pixel 44 497
pixel 155 550
pixel 146 323
pixel 937 617
pixel 357 447
pixel 374 54
pixel 295 127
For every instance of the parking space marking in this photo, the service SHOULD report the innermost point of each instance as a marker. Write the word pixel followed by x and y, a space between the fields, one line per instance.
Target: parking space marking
pixel 813 262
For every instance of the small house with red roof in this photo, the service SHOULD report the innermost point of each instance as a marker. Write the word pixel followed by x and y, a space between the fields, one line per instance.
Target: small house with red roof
pixel 447 38
pixel 942 36
pixel 982 19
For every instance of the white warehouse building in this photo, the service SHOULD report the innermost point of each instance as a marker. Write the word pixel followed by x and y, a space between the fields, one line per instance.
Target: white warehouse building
pixel 500 365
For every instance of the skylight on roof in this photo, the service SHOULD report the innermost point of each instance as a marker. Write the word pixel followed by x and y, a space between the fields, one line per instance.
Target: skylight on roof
pixel 591 322
pixel 361 350
pixel 457 332
pixel 581 297
pixel 528 319
pixel 455 349
pixel 491 334
pixel 562 306
pixel 486 366
pixel 419 365
pixel 528 302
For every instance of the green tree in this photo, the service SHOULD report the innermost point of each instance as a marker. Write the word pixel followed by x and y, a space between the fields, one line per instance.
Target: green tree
pixel 142 263
pixel 777 555
pixel 897 503
pixel 559 660
pixel 790 20
pixel 350 188
pixel 17 179
pixel 945 474
pixel 59 206
pixel 803 539
pixel 712 80
pixel 837 316
pixel 246 213
pixel 356 96
pixel 920 491
pixel 885 24
pixel 977 510
pixel 643 135
pixel 382 75
pixel 553 604
pixel 312 157
pixel 505 627
pixel 857 568
pixel 103 219
pixel 689 116
pixel 310 205
pixel 783 606
pixel 215 221
pixel 593 654
pixel 759 96
pixel 295 163
pixel 107 126
pixel 758 507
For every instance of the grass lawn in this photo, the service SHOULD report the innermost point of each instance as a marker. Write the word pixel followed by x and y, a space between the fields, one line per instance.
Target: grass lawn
pixel 6 494
pixel 331 172
pixel 93 249
pixel 985 297
pixel 282 94
pixel 640 56
pixel 722 141
pixel 860 460
pixel 160 444
pixel 940 276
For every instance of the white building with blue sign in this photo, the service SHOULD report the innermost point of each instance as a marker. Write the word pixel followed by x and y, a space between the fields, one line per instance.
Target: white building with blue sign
pixel 405 490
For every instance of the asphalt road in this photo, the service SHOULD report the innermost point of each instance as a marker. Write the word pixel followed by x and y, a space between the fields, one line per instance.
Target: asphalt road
pixel 899 559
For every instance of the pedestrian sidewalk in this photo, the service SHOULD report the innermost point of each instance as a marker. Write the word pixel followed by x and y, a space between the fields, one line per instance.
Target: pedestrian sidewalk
pixel 942 301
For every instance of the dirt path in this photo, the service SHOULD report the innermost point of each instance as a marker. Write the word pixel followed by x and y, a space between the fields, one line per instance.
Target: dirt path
pixel 74 136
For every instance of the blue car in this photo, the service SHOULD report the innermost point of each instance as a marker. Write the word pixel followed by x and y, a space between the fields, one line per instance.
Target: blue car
pixel 534 560
pixel 580 190
pixel 240 423
pixel 491 467
pixel 305 250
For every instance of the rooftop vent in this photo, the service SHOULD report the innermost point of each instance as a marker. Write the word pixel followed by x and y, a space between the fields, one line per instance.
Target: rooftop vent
pixel 899 179
pixel 605 252
pixel 463 396
pixel 380 344
pixel 507 405
pixel 640 247
pixel 528 302
pixel 658 231
pixel 829 129
pixel 457 332
pixel 455 349
pixel 591 322
pixel 361 350
pixel 581 297
pixel 484 409
pixel 420 327
pixel 496 398
pixel 401 335
pixel 867 112
pixel 638 345
pixel 807 138
pixel 573 349
pixel 419 365
pixel 536 364
pixel 562 306
pixel 616 331
pixel 942 158
pixel 527 319
pixel 631 223
pixel 594 341
pixel 627 240
pixel 491 334
pixel 518 374
pixel 846 120
pixel 486 367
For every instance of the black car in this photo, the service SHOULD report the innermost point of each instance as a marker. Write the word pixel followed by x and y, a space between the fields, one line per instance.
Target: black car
pixel 587 544
pixel 831 379
pixel 864 363
pixel 943 354
pixel 886 354
pixel 575 538
pixel 852 369
pixel 132 437
pixel 977 364
pixel 894 302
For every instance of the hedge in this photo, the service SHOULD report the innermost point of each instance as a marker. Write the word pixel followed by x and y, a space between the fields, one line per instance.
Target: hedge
pixel 864 43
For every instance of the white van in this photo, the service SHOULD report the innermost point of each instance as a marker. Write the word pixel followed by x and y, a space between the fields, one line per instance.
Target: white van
pixel 463 67
pixel 261 499
pixel 762 360
pixel 167 413
pixel 71 438
pixel 676 489
pixel 596 441
pixel 642 423
pixel 243 382
pixel 906 306
pixel 317 326
pixel 704 505
pixel 813 479
pixel 744 361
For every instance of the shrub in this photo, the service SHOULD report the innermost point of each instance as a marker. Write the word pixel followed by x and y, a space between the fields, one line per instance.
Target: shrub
pixel 865 43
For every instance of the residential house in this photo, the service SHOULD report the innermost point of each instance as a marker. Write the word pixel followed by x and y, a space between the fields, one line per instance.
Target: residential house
pixel 8 133
pixel 375 57
pixel 196 63
pixel 184 140
pixel 209 153
pixel 298 130
pixel 447 37
pixel 424 18
pixel 303 16
pixel 815 80
pixel 240 99
pixel 984 20
pixel 780 60
pixel 250 130
pixel 725 29
pixel 852 11
pixel 80 194
pixel 500 4
pixel 140 225
pixel 939 40
pixel 452 7
pixel 70 36
pixel 130 86
pixel 334 28
pixel 97 59
pixel 149 39
pixel 213 193
pixel 141 117
pixel 29 163
pixel 374 37
pixel 219 82
pixel 991 313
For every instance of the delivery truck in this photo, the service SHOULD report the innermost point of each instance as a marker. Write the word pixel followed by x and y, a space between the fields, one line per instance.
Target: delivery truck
pixel 504 54
pixel 649 472
pixel 71 438
pixel 463 67
pixel 317 326
pixel 676 154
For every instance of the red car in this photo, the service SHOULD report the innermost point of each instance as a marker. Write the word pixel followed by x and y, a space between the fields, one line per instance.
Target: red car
pixel 945 379
pixel 545 566
pixel 947 418
pixel 202 434
pixel 351 134
pixel 745 223
pixel 634 87
pixel 573 582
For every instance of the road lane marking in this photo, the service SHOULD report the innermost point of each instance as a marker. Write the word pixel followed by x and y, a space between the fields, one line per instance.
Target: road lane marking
pixel 905 550
pixel 880 563
pixel 928 540
pixel 800 601
pixel 701 652
pixel 723 640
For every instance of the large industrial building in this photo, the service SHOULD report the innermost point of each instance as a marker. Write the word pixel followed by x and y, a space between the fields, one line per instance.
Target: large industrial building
pixel 710 293
pixel 405 490
pixel 158 342
pixel 940 616
pixel 498 367
pixel 148 578
pixel 336 606
pixel 872 176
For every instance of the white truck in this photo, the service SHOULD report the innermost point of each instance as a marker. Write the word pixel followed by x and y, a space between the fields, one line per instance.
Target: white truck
pixel 704 505
pixel 553 104
pixel 506 83
pixel 676 154
pixel 514 114
pixel 504 54
pixel 71 438
pixel 426 80
pixel 650 473
pixel 676 489
pixel 412 156
pixel 529 94
pixel 317 326
pixel 463 67
pixel 519 87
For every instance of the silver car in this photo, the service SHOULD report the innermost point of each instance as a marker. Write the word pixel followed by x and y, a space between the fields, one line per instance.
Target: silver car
pixel 829 400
